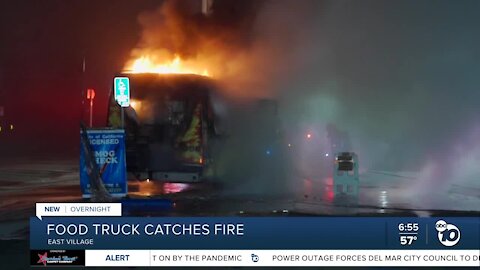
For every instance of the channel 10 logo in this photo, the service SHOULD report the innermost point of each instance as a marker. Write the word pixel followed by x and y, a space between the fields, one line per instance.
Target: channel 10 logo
pixel 448 234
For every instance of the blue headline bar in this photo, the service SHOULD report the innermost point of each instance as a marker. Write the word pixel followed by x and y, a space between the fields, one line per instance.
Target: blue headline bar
pixel 254 233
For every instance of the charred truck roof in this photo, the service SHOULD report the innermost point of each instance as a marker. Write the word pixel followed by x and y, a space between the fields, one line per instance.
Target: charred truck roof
pixel 146 85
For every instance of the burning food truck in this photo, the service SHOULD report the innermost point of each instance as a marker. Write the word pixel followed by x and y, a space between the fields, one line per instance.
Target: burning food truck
pixel 169 126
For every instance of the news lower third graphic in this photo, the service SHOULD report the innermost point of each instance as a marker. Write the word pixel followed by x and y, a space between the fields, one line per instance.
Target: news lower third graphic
pixel 91 234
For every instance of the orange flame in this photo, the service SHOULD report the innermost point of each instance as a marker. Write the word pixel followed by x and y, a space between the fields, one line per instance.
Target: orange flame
pixel 145 64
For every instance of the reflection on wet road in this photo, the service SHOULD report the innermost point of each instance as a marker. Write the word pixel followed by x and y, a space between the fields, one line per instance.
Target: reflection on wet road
pixel 383 193
pixel 154 188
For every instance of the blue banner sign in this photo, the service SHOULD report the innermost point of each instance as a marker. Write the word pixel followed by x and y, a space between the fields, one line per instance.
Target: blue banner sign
pixel 278 233
pixel 109 152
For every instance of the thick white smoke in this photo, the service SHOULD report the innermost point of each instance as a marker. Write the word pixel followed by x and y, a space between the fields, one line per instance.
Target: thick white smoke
pixel 399 78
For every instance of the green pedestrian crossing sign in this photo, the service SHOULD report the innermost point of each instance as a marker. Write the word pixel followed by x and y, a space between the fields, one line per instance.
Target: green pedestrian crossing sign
pixel 122 91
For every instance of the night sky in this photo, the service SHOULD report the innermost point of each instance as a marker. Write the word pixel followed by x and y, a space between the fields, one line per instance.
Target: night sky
pixel 42 47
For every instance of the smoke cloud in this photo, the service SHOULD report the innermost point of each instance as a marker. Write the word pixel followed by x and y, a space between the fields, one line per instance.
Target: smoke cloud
pixel 243 44
pixel 398 78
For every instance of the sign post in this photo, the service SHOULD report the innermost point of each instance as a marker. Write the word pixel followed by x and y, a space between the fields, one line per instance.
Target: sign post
pixel 91 96
pixel 122 93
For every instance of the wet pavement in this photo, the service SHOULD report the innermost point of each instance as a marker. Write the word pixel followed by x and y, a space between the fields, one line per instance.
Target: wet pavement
pixel 381 194
pixel 23 183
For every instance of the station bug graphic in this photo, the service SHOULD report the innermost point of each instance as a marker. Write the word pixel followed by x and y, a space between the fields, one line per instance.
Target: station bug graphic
pixel 448 234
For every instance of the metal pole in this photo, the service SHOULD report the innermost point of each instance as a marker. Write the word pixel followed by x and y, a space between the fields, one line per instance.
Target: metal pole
pixel 123 119
pixel 91 112
pixel 82 111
